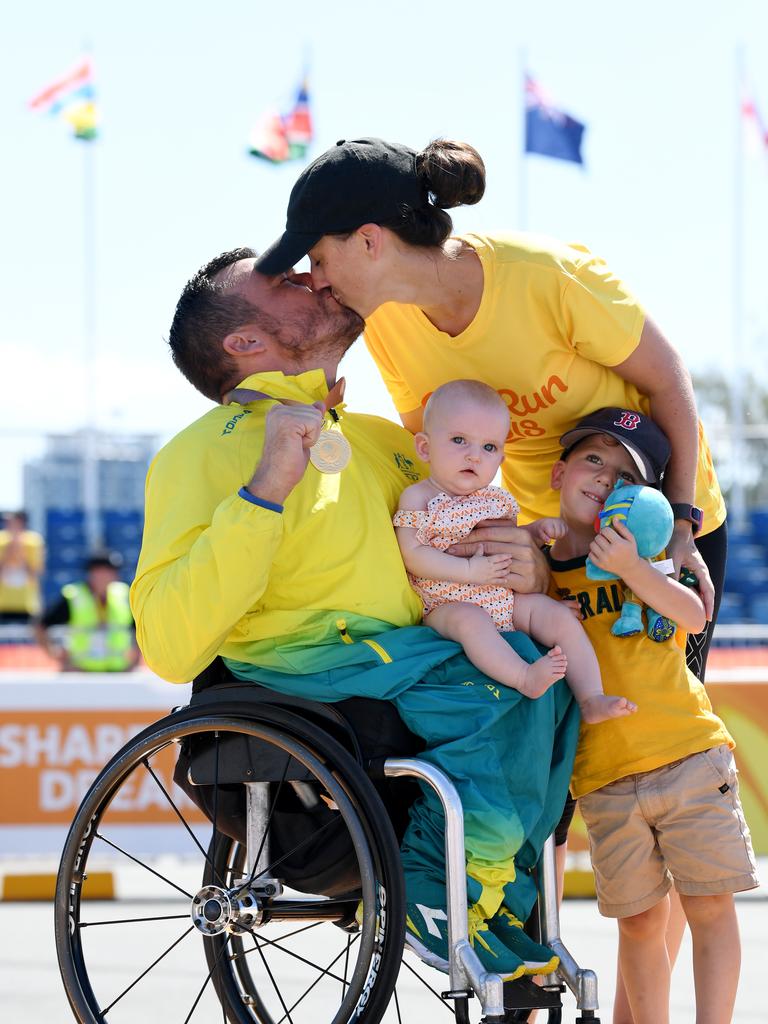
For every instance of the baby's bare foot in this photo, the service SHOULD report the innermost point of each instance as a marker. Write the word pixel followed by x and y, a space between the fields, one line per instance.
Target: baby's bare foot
pixel 540 675
pixel 600 708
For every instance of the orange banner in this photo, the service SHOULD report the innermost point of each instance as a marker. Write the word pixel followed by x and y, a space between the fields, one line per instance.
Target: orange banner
pixel 50 758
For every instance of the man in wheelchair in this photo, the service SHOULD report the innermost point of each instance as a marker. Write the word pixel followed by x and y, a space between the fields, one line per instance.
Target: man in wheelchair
pixel 269 554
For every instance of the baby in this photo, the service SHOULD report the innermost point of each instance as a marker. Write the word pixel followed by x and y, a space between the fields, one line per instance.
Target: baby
pixel 465 599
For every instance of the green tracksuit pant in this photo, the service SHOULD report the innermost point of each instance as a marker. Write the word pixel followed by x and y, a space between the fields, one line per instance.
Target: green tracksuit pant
pixel 509 757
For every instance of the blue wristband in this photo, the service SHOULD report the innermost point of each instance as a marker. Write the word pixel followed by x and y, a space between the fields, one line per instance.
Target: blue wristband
pixel 245 493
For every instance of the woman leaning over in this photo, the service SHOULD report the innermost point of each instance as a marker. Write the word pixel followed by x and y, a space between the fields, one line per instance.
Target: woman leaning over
pixel 547 324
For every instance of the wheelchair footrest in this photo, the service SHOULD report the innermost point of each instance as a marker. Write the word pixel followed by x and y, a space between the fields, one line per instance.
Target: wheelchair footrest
pixel 524 994
pixel 458 993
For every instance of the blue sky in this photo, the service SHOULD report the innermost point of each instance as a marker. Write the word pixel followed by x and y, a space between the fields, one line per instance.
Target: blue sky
pixel 181 85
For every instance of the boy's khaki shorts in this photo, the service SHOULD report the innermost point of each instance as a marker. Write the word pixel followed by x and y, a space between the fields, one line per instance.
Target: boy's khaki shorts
pixel 681 822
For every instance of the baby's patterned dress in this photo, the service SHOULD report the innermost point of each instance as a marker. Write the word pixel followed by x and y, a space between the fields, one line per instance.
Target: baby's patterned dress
pixel 446 521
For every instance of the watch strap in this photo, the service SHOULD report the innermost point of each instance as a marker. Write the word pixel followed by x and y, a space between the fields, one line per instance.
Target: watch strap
pixel 690 513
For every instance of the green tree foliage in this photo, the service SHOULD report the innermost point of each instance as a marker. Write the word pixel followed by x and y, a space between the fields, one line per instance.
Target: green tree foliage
pixel 744 464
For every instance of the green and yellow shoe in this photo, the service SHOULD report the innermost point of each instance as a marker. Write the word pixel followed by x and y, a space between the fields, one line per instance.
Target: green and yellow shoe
pixel 536 958
pixel 426 931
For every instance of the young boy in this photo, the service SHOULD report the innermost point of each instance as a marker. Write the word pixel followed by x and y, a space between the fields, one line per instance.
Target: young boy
pixel 658 789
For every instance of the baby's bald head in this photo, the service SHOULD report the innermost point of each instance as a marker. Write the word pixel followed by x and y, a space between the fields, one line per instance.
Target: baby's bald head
pixel 448 397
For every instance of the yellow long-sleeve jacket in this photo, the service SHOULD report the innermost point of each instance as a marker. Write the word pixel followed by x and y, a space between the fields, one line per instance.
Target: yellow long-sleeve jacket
pixel 219 574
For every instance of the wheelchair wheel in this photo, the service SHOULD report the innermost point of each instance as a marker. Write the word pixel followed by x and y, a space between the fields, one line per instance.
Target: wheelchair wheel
pixel 196 935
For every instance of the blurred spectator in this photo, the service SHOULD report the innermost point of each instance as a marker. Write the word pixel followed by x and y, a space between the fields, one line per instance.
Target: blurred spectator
pixel 100 636
pixel 22 554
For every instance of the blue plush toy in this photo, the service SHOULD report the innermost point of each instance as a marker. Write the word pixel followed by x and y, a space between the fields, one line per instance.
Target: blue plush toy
pixel 647 514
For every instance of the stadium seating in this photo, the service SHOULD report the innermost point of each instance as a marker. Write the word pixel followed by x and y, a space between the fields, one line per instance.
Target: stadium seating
pixel 746 584
pixel 746 578
pixel 67 547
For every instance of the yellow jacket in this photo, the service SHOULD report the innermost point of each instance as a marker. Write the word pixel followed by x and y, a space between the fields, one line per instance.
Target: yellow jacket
pixel 100 639
pixel 218 574
pixel 20 585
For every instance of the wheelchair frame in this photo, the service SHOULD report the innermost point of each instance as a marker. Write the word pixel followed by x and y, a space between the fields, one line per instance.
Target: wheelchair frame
pixel 237 910
pixel 465 970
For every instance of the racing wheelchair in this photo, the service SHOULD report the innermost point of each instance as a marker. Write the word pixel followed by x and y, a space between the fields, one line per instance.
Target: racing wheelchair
pixel 289 903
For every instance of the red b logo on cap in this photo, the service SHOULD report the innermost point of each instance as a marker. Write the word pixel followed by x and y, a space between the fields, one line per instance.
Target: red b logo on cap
pixel 628 420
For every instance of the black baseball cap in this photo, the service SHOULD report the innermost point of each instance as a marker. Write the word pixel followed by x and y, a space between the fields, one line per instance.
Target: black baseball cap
pixel 355 182
pixel 645 441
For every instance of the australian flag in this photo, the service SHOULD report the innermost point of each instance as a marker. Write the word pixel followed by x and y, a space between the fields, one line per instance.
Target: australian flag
pixel 549 131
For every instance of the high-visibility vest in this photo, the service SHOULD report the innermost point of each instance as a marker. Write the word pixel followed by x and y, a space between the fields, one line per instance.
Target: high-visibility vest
pixel 99 640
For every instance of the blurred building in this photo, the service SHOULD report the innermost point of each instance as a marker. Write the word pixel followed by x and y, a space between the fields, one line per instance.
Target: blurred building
pixel 87 491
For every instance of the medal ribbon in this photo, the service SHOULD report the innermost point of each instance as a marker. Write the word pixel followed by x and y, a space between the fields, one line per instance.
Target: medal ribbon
pixel 244 395
pixel 323 458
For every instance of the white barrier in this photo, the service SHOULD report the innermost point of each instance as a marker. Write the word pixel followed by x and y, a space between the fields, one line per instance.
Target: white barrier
pixel 56 733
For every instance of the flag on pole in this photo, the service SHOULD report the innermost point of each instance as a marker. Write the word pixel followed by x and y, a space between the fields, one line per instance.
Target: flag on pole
pixel 549 131
pixel 281 137
pixel 73 98
pixel 756 126
pixel 298 125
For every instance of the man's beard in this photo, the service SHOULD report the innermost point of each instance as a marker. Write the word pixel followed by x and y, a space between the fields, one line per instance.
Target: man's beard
pixel 320 336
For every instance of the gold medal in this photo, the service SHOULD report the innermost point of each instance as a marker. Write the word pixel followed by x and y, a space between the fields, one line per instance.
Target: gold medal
pixel 331 452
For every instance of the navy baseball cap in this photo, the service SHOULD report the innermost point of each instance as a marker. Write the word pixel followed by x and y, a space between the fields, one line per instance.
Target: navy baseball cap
pixel 645 441
pixel 355 182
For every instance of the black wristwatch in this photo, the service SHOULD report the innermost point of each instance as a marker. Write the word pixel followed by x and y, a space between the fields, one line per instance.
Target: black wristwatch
pixel 691 514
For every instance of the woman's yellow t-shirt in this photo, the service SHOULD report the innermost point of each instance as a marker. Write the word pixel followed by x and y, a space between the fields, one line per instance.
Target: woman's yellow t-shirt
pixel 553 322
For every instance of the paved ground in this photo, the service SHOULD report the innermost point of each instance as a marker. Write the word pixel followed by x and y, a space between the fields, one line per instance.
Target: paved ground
pixel 31 992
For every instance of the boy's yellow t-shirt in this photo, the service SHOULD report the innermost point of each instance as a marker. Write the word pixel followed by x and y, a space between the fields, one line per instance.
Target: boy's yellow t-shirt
pixel 674 717
pixel 553 321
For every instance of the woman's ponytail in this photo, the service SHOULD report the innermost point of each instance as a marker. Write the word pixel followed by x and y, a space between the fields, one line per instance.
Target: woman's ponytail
pixel 453 173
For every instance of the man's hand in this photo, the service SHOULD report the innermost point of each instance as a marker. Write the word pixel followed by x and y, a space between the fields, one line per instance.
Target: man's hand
pixel 290 432
pixel 683 552
pixel 488 568
pixel 614 550
pixel 528 572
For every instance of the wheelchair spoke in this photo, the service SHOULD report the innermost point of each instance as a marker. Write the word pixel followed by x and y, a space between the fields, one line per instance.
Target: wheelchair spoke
pixel 146 972
pixel 346 968
pixel 141 863
pixel 397 1007
pixel 181 818
pixel 289 935
pixel 133 920
pixel 426 984
pixel 286 1012
pixel 296 956
pixel 309 839
pixel 208 978
pixel 325 973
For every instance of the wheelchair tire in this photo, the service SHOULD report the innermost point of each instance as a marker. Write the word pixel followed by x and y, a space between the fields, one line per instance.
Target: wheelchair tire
pixel 118 961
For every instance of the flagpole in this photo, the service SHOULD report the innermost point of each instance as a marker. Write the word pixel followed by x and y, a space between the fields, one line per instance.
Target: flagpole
pixel 522 177
pixel 90 491
pixel 737 498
